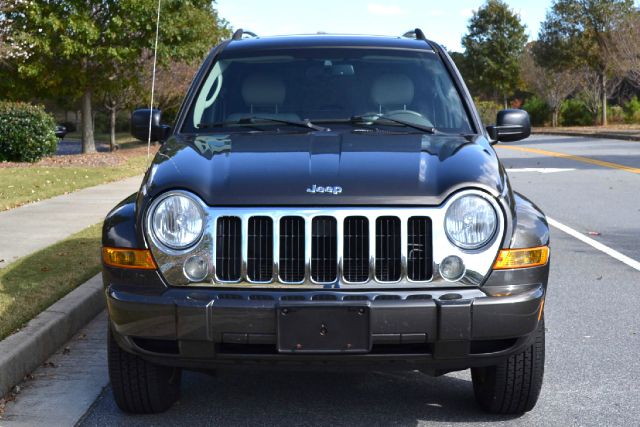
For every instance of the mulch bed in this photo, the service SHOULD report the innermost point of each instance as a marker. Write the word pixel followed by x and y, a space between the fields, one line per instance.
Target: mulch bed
pixel 96 160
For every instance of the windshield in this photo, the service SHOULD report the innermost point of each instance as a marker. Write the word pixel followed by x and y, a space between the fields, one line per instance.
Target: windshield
pixel 324 85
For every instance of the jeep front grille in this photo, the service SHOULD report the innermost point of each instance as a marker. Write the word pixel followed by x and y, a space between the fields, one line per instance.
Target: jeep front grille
pixel 349 247
pixel 323 249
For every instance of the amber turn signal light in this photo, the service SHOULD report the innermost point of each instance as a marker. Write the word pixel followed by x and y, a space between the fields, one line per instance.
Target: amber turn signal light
pixel 128 258
pixel 522 258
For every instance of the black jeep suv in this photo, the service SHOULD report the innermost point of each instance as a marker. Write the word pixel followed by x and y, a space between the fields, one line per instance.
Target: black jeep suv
pixel 330 200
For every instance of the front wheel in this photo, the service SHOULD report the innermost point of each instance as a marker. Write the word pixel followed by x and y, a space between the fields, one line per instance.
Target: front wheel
pixel 140 387
pixel 513 386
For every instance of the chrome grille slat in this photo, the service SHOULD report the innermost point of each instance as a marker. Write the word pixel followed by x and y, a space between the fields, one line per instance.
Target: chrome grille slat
pixel 228 249
pixel 324 255
pixel 419 249
pixel 260 249
pixel 355 257
pixel 292 246
pixel 388 249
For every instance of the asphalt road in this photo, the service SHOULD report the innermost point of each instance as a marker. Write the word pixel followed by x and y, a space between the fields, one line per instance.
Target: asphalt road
pixel 592 318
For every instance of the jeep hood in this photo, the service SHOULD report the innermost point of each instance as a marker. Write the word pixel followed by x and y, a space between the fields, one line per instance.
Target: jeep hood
pixel 276 169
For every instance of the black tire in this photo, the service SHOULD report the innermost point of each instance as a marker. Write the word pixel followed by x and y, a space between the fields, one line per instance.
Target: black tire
pixel 513 386
pixel 140 387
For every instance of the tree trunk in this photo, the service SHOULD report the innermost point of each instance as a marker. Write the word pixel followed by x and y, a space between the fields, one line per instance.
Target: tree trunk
pixel 88 143
pixel 604 99
pixel 113 145
pixel 554 117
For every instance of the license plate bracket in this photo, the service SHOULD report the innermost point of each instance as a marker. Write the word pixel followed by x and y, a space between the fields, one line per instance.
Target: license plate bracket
pixel 324 329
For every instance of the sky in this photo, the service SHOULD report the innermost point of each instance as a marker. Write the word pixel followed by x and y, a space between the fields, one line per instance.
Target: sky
pixel 442 21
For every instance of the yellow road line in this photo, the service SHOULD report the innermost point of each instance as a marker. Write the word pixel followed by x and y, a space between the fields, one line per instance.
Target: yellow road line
pixel 572 157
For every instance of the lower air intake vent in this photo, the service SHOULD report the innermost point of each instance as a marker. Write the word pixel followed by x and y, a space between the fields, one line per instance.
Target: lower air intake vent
pixel 228 248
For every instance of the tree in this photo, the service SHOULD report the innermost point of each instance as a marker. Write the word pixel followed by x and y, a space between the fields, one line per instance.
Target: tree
pixel 172 83
pixel 493 46
pixel 624 48
pixel 119 94
pixel 576 34
pixel 552 85
pixel 78 48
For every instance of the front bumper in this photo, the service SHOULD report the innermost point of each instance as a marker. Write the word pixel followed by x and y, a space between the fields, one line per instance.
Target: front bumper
pixel 443 329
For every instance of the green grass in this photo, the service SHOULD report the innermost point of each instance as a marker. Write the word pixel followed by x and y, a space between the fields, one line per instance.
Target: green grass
pixel 19 186
pixel 121 137
pixel 31 284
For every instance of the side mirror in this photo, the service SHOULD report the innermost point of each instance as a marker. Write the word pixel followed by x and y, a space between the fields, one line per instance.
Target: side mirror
pixel 511 125
pixel 140 125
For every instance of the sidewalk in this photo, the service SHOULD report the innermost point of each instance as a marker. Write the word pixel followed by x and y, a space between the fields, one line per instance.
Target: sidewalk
pixel 591 132
pixel 35 226
pixel 60 391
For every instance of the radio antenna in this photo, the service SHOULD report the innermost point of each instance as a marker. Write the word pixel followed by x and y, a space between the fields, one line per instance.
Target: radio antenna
pixel 153 80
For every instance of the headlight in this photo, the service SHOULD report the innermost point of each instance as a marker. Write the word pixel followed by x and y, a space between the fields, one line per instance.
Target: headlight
pixel 470 222
pixel 177 221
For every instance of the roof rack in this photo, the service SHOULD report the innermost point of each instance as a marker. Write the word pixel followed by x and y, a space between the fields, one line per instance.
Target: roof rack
pixel 242 34
pixel 415 34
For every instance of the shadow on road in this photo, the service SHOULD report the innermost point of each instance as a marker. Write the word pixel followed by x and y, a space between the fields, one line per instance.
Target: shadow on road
pixel 258 397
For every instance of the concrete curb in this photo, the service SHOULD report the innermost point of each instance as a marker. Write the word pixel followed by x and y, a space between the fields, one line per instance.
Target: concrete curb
pixel 604 135
pixel 22 352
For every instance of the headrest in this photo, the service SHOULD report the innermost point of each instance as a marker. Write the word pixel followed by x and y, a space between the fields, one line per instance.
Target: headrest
pixel 392 89
pixel 263 89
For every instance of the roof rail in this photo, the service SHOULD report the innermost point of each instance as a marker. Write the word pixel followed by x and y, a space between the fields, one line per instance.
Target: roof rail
pixel 415 34
pixel 240 34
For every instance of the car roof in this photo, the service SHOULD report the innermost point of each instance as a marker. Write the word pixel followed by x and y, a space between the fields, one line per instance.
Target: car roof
pixel 327 40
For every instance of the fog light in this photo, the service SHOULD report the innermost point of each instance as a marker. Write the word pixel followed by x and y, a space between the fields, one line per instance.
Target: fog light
pixel 452 268
pixel 196 268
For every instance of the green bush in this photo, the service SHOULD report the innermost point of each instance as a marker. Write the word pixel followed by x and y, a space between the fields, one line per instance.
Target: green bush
pixel 632 110
pixel 488 111
pixel 538 110
pixel 26 132
pixel 615 114
pixel 573 112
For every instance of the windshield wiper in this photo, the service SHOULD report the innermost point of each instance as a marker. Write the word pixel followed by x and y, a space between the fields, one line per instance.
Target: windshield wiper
pixel 257 119
pixel 223 124
pixel 303 123
pixel 377 117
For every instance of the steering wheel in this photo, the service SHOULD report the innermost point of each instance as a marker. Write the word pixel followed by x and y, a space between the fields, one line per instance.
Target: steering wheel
pixel 393 114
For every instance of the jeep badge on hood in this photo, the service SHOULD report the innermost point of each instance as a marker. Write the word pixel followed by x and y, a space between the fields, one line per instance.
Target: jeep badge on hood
pixel 328 189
